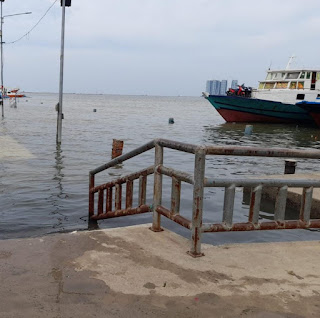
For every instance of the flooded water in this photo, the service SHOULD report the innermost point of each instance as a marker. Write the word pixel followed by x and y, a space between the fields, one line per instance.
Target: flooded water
pixel 44 189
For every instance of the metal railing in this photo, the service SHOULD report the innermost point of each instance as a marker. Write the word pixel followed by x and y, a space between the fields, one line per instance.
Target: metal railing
pixel 199 182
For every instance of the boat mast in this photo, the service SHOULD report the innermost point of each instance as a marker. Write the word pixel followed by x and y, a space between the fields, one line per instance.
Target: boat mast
pixel 291 58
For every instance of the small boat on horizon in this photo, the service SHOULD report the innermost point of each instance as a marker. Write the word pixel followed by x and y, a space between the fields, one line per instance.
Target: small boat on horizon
pixel 11 93
pixel 274 101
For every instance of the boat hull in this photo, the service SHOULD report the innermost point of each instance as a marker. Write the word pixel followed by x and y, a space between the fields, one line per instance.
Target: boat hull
pixel 313 109
pixel 15 95
pixel 241 109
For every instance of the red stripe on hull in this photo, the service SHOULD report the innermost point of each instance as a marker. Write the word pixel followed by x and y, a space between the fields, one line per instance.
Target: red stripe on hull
pixel 316 117
pixel 14 95
pixel 236 116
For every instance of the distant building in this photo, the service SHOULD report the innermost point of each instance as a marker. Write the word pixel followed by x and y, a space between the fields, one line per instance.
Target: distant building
pixel 213 87
pixel 234 84
pixel 223 87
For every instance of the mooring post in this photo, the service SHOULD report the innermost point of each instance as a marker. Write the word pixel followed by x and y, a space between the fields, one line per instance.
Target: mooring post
pixel 157 190
pixel 198 186
pixel 117 147
pixel 290 166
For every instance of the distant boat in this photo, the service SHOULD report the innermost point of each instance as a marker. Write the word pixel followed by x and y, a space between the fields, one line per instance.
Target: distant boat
pixel 12 93
pixel 275 99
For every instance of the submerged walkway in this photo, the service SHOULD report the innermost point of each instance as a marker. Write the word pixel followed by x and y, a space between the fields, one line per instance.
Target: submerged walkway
pixel 134 272
pixel 12 149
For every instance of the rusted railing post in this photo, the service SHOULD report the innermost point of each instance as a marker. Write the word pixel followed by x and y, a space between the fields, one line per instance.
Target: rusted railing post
pixel 129 194
pixel 142 190
pixel 157 189
pixel 199 171
pixel 306 203
pixel 175 196
pixel 255 202
pixel 92 224
pixel 118 197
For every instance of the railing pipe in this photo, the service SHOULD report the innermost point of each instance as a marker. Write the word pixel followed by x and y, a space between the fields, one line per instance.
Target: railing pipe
pixel 129 194
pixel 175 196
pixel 280 205
pixel 228 205
pixel 241 182
pixel 262 152
pixel 272 225
pixel 130 177
pixel 118 197
pixel 175 217
pixel 255 202
pixel 179 175
pixel 306 202
pixel 176 145
pixel 119 213
pixel 199 171
pixel 157 189
pixel 91 195
pixel 109 200
pixel 142 189
pixel 124 157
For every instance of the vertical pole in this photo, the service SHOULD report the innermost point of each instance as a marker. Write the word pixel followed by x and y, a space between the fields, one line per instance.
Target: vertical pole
pixel 198 186
pixel 157 190
pixel 92 224
pixel 59 118
pixel 1 63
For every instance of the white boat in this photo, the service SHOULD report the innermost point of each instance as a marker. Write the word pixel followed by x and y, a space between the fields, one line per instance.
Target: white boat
pixel 274 100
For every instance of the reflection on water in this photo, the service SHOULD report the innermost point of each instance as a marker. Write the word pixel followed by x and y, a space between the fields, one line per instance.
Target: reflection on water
pixel 58 195
pixel 264 135
pixel 267 207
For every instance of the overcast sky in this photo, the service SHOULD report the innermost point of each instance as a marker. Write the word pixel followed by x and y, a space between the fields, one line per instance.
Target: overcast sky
pixel 156 47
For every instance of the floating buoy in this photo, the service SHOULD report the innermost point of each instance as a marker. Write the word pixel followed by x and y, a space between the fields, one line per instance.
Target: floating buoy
pixel 94 110
pixel 171 121
pixel 248 130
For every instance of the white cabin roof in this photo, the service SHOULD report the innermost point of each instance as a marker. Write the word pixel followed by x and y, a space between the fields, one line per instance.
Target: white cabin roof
pixel 294 70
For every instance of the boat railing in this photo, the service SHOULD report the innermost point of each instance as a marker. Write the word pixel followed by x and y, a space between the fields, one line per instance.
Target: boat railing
pixel 109 205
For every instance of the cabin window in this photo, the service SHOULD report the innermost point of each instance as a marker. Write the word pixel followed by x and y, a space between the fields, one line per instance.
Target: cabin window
pixel 303 74
pixel 293 75
pixel 293 85
pixel 278 76
pixel 308 75
pixel 281 84
pixel 269 76
pixel 269 86
pixel 300 96
pixel 300 85
pixel 318 76
pixel 261 85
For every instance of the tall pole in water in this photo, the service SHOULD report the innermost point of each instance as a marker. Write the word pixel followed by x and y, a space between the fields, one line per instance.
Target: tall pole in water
pixel 1 62
pixel 60 115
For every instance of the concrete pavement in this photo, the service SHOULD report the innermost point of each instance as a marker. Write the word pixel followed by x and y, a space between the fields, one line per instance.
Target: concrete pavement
pixel 134 272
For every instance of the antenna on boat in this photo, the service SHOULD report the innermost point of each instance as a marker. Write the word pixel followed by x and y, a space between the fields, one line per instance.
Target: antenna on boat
pixel 291 58
pixel 270 66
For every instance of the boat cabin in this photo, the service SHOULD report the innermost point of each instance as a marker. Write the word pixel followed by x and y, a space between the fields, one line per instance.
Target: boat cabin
pixel 291 80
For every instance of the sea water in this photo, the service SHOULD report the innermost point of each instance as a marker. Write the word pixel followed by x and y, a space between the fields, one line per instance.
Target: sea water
pixel 44 188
